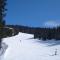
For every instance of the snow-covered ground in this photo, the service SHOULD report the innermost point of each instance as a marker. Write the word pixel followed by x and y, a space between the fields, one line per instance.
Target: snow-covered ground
pixel 24 47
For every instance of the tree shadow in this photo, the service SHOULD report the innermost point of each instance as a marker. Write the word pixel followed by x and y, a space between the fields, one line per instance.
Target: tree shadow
pixel 49 42
pixel 31 38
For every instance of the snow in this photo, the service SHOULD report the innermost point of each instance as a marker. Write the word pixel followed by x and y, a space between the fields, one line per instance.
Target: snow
pixel 51 24
pixel 24 47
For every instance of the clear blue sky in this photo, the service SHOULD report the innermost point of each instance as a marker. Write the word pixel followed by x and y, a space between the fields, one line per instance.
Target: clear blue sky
pixel 32 12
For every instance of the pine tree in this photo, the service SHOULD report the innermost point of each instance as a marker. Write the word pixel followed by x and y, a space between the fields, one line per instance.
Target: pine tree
pixel 2 14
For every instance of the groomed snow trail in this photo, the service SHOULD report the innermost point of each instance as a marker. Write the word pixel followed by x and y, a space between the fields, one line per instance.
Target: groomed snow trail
pixel 23 47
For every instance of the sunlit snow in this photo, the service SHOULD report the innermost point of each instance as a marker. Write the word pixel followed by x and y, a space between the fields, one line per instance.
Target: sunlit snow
pixel 24 47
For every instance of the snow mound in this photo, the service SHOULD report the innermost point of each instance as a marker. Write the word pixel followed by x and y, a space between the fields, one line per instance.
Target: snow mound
pixel 3 48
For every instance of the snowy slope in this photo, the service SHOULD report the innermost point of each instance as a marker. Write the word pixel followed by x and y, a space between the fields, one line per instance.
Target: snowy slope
pixel 24 47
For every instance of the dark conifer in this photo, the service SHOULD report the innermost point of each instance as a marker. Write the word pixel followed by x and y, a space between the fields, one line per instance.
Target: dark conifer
pixel 2 14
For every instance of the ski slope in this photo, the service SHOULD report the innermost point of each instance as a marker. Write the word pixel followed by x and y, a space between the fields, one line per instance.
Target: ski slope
pixel 24 47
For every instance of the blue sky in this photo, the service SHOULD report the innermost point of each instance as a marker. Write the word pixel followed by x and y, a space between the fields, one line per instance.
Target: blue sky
pixel 33 12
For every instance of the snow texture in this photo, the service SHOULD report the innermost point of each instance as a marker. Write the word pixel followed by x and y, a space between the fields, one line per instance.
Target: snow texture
pixel 24 47
pixel 2 50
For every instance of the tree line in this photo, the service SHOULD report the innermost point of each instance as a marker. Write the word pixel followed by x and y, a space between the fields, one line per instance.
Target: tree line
pixel 41 33
pixel 47 33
